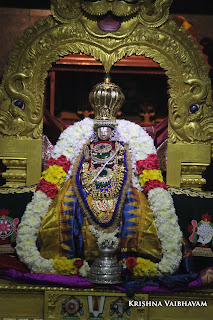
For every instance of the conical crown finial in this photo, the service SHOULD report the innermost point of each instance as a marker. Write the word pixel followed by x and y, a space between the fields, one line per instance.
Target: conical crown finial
pixel 107 78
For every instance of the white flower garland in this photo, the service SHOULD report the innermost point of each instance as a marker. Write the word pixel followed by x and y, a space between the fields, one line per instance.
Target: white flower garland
pixel 27 234
pixel 70 144
pixel 84 269
pixel 140 145
pixel 72 140
pixel 103 237
pixel 169 233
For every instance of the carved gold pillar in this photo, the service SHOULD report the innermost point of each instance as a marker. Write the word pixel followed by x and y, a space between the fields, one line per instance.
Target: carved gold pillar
pixel 16 172
pixel 186 164
pixel 22 159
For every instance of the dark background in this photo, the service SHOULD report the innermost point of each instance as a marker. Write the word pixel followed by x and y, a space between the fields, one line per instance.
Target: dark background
pixel 178 6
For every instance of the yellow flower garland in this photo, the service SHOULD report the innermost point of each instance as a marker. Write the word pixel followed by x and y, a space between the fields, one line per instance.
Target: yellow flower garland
pixel 65 266
pixel 144 268
pixel 150 175
pixel 54 174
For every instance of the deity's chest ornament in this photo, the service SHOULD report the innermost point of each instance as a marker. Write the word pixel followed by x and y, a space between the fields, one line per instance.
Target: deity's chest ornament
pixel 101 180
pixel 102 177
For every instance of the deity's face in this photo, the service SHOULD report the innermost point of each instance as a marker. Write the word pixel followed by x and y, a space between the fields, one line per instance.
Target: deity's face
pixel 104 133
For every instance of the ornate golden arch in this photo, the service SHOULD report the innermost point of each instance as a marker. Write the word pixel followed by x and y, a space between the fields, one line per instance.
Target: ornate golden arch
pixel 73 28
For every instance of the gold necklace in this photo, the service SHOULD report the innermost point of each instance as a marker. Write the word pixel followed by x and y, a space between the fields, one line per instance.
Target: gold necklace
pixel 107 185
pixel 119 206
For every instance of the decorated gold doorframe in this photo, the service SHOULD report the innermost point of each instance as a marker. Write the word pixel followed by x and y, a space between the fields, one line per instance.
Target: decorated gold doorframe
pixel 145 30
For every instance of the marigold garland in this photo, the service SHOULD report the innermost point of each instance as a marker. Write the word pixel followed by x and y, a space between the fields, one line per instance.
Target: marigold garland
pixel 150 175
pixel 140 267
pixel 64 266
pixel 69 267
pixel 54 174
pixel 144 268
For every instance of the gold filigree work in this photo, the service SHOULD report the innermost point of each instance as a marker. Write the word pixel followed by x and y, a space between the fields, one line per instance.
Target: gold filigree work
pixel 17 190
pixel 190 192
pixel 117 8
pixel 106 98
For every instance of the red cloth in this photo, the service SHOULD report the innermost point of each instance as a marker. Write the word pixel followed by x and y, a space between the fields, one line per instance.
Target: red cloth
pixel 161 132
pixel 9 262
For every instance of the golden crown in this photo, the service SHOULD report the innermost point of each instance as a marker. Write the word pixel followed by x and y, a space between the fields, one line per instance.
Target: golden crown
pixel 106 98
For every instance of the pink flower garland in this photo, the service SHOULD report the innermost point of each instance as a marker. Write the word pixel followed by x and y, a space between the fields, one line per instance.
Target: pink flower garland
pixel 152 184
pixel 50 189
pixel 61 161
pixel 151 162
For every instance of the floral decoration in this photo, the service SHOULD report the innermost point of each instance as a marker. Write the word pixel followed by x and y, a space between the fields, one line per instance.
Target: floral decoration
pixel 70 267
pixel 53 176
pixel 103 237
pixel 69 145
pixel 27 234
pixel 143 157
pixel 130 263
pixel 144 268
pixel 151 162
pixel 150 175
pixel 152 184
pixel 50 189
pixel 61 161
pixel 8 227
pixel 169 233
pixel 140 267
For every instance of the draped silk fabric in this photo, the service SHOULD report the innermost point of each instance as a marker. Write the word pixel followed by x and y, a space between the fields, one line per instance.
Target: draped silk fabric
pixel 65 231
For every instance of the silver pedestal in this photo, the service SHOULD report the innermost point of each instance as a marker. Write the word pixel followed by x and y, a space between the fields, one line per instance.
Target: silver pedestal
pixel 105 269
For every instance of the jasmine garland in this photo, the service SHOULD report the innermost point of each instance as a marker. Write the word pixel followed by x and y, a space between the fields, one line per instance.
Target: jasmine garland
pixel 103 237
